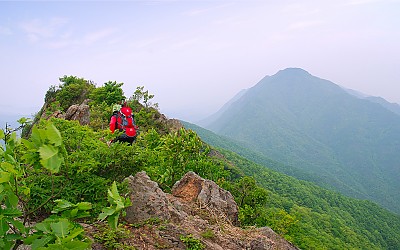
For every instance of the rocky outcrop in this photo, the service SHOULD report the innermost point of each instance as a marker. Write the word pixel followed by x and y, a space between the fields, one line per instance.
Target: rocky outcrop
pixel 208 194
pixel 174 124
pixel 148 201
pixel 170 124
pixel 79 112
pixel 196 208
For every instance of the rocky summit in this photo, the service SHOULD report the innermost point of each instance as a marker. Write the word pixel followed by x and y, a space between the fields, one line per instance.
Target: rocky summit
pixel 197 209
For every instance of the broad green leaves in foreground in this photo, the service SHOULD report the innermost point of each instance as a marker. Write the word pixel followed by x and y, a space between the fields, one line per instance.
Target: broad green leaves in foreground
pixel 117 204
pixel 43 150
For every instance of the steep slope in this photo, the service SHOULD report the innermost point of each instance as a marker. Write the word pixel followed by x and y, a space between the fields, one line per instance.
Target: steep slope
pixel 230 144
pixel 207 121
pixel 313 124
pixel 394 107
pixel 324 214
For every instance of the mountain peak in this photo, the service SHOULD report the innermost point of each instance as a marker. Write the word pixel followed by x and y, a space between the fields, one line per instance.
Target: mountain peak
pixel 307 116
pixel 293 71
pixel 291 75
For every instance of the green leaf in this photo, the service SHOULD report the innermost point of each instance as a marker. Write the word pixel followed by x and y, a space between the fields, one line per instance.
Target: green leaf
pixel 19 225
pixel 12 212
pixel 3 226
pixel 53 134
pixel 47 151
pixel 12 200
pixel 62 205
pixel 43 226
pixel 77 245
pixel 113 221
pixel 13 237
pixel 9 158
pixel 127 202
pixel 1 134
pixel 84 205
pixel 30 239
pixel 4 177
pixel 61 228
pixel 28 144
pixel 114 192
pixel 8 167
pixel 42 241
pixel 72 245
pixel 73 234
pixel 49 158
pixel 35 137
pixel 4 244
pixel 107 211
pixel 74 212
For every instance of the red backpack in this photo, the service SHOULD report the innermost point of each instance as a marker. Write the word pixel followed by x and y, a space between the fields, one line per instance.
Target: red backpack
pixel 125 121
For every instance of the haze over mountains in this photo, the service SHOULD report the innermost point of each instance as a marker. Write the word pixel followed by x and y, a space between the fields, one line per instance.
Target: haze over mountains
pixel 330 136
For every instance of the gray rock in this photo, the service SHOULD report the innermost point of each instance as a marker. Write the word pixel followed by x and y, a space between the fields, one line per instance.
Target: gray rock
pixel 148 200
pixel 194 188
pixel 79 113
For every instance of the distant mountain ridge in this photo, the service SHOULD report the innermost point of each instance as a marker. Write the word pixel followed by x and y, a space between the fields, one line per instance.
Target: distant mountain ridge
pixel 208 120
pixel 348 143
pixel 394 107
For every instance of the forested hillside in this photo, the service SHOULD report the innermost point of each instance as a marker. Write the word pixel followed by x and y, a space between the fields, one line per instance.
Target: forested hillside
pixel 326 216
pixel 63 175
pixel 340 141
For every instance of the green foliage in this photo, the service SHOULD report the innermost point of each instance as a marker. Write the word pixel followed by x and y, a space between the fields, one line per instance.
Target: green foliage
pixel 151 221
pixel 44 150
pixel 57 233
pixel 111 238
pixel 100 114
pixel 174 154
pixel 315 218
pixel 117 205
pixel 321 219
pixel 72 90
pixel 109 93
pixel 141 96
pixel 24 123
pixel 208 234
pixel 192 243
pixel 72 211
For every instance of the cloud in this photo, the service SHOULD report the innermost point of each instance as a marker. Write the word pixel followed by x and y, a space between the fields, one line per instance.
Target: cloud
pixel 100 35
pixel 37 30
pixel 55 33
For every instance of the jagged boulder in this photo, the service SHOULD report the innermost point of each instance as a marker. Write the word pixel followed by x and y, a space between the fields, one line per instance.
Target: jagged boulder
pixel 79 112
pixel 171 124
pixel 148 201
pixel 174 124
pixel 195 206
pixel 194 188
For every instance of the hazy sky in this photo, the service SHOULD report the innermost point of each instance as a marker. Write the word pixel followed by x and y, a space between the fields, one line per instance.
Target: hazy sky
pixel 195 55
